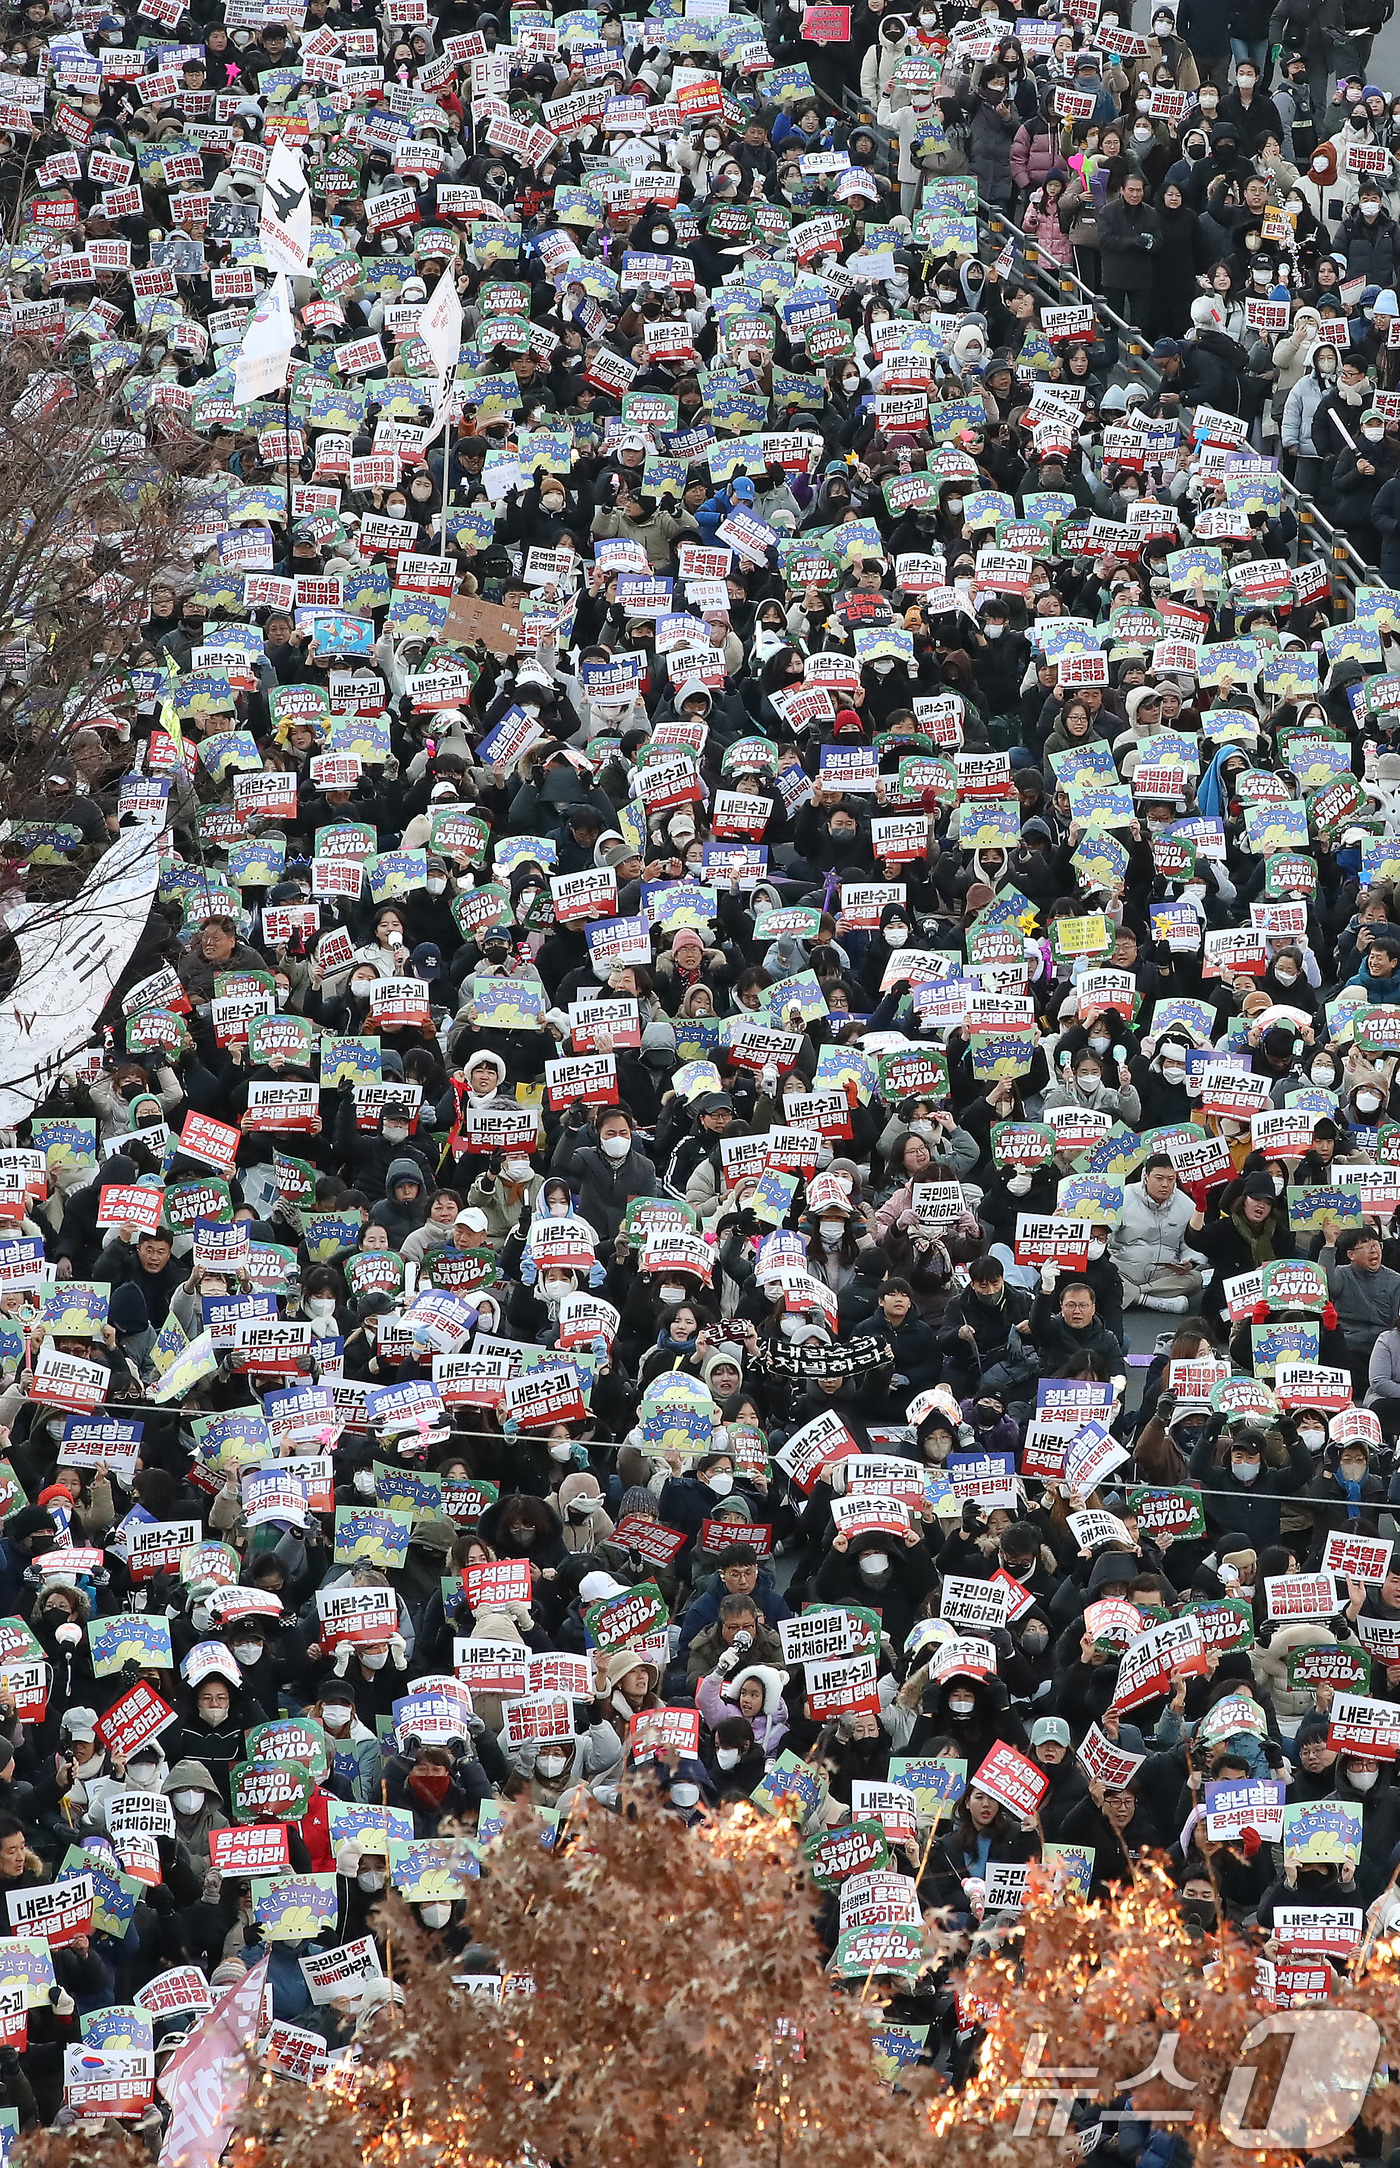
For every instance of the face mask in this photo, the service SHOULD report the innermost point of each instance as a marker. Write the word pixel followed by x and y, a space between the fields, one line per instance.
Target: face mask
pixel 374 1659
pixel 1142 135
pixel 187 1802
pixel 721 1482
pixel 1285 973
pixel 321 1306
pixel 727 1757
pixel 1100 1043
pixel 896 936
pixel 435 888
pixel 1370 210
pixel 1313 1439
pixel 1245 82
pixel 1018 1184
pixel 874 1566
pixel 1322 1072
pixel 1367 1102
pixel 1096 1249
pixel 248 1652
pixel 685 1795
pixel 1245 1471
pixel 335 1714
pixel 551 1765
pixel 1373 436
pixel 561 1452
pixel 670 1295
pixel 360 988
pixel 201 1618
pixel 363 1480
pixel 395 1134
pixel 142 1775
pixel 1035 1640
pixel 1353 1471
pixel 955 505
pixel 831 1233
pixel 370 1878
pixel 1087 1084
pixel 961 1704
pixel 659 237
pixel 616 1147
pixel 1362 1779
pixel 711 144
pixel 436 1915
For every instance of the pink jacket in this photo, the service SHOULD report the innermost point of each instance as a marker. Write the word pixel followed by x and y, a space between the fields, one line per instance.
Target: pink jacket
pixel 1042 225
pixel 769 1731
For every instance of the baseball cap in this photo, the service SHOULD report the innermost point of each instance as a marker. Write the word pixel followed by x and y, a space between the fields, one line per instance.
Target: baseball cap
pixel 1050 1731
pixel 741 486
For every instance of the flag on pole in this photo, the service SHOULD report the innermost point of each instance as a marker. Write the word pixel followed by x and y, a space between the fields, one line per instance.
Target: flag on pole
pixel 284 227
pixel 266 352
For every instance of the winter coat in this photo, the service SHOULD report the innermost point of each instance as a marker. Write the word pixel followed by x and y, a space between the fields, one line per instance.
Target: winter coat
pixel 1042 223
pixel 1354 494
pixel 1372 247
pixel 1150 1234
pixel 989 151
pixel 1299 411
pixel 606 1186
pixel 1034 155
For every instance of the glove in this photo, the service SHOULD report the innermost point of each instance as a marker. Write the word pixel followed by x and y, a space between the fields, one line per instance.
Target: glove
pixel 160 1900
pixel 61 2002
pixel 342 1659
pixel 597 1273
pixel 1049 1273
pixel 398 1649
pixel 730 1661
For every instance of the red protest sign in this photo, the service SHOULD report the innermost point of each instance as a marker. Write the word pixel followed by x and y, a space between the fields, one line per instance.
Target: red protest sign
pixel 1010 1778
pixel 138 1716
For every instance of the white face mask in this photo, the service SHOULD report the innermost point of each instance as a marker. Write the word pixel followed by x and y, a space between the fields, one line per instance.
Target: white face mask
pixel 1322 1072
pixel 435 887
pixel 1373 436
pixel 374 1659
pixel 436 1915
pixel 395 1133
pixel 1245 1471
pixel 670 1295
pixel 1362 1779
pixel 551 1765
pixel 896 936
pixel 321 1306
pixel 1285 973
pixel 1314 1440
pixel 335 1715
pixel 831 1233
pixel 616 1147
pixel 875 1565
pixel 1096 1249
pixel 363 1481
pixel 1018 1184
pixel 248 1652
pixel 1174 1072
pixel 727 1757
pixel 370 1878
pixel 721 1482
pixel 519 1170
pixel 961 1704
pixel 659 237
pixel 1367 1102
pixel 142 1778
pixel 685 1795
pixel 561 1452
pixel 187 1802
pixel 1370 210
pixel 1100 1042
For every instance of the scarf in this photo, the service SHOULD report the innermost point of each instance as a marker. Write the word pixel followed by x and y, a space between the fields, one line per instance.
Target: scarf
pixel 1260 1240
pixel 1352 1493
